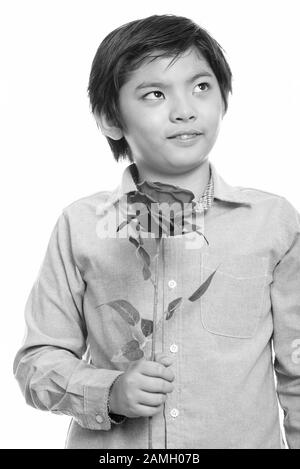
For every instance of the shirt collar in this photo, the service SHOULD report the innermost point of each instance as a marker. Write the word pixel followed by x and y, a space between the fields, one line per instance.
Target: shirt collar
pixel 221 189
pixel 227 193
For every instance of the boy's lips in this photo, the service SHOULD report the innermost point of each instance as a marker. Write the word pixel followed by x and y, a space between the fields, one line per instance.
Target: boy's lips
pixel 186 140
pixel 187 133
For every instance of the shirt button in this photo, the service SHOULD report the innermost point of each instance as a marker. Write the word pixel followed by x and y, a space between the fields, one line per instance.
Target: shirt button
pixel 174 412
pixel 99 418
pixel 174 348
pixel 172 284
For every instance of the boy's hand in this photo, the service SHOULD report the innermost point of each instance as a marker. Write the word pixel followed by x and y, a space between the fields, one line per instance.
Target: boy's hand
pixel 142 390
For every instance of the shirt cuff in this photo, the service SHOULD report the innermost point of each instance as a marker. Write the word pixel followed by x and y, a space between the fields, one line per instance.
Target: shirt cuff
pixel 96 401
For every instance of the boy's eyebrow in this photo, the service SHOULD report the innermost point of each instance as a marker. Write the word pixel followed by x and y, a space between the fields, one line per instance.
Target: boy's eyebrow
pixel 161 85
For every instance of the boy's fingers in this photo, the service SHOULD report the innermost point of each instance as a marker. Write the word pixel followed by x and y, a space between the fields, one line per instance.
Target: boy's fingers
pixel 162 358
pixel 158 369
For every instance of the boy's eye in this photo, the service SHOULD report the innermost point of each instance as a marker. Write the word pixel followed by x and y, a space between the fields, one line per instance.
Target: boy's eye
pixel 153 93
pixel 202 86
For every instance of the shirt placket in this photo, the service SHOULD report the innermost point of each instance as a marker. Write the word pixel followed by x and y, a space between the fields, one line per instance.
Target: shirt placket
pixel 172 289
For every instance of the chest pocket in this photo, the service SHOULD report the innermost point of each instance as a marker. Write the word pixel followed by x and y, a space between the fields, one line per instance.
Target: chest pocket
pixel 233 303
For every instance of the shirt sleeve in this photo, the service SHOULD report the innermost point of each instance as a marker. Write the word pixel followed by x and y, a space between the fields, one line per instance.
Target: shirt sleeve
pixel 285 296
pixel 49 366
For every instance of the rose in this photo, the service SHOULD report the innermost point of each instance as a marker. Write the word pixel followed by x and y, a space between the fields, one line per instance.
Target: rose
pixel 160 208
pixel 172 205
pixel 152 198
pixel 162 192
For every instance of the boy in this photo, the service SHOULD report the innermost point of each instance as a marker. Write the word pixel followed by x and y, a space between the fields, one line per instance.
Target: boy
pixel 159 88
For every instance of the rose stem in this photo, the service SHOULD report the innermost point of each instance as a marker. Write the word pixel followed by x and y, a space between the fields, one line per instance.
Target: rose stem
pixel 163 332
pixel 157 240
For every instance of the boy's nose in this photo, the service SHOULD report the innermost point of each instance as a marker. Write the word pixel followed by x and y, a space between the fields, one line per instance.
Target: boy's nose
pixel 182 111
pixel 185 117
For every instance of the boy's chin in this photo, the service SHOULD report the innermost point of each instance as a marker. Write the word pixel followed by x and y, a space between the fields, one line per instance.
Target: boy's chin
pixel 181 164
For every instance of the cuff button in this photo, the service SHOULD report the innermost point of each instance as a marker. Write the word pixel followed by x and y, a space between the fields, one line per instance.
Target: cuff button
pixel 99 418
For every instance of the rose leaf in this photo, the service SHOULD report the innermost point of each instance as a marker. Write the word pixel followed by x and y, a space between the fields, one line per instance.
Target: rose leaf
pixel 126 310
pixel 202 289
pixel 147 327
pixel 172 307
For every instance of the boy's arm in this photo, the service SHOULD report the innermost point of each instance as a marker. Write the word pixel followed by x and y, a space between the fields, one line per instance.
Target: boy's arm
pixel 49 365
pixel 285 296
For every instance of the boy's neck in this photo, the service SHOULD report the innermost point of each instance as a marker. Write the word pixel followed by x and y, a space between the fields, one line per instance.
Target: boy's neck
pixel 194 180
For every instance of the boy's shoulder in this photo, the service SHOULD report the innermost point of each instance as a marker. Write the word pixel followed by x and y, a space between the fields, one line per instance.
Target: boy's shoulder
pixel 88 205
pixel 258 195
pixel 98 196
pixel 276 203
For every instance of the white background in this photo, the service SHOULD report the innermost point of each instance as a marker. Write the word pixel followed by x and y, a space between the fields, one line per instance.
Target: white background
pixel 52 152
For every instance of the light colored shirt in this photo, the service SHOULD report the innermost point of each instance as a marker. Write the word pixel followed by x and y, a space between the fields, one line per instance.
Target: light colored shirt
pixel 225 395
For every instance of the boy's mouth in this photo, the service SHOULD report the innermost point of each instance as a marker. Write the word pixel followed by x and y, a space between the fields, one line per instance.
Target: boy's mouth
pixel 184 135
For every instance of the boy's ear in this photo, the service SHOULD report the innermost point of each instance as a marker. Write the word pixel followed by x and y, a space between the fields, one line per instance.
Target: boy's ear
pixel 107 128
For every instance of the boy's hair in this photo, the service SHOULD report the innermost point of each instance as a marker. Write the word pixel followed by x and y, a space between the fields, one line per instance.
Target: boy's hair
pixel 123 50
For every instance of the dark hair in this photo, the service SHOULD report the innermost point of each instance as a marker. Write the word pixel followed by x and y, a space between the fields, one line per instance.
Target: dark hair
pixel 124 49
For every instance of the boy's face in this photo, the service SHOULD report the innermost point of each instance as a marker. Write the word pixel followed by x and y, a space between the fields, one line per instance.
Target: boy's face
pixel 181 103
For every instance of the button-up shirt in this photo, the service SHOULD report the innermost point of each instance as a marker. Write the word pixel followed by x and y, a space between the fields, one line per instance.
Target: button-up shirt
pixel 225 345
